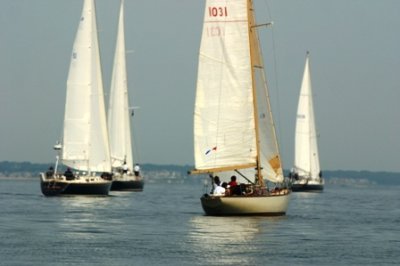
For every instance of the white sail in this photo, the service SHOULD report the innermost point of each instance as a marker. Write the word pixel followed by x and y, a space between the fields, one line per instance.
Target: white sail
pixel 231 83
pixel 118 112
pixel 85 138
pixel 224 127
pixel 269 150
pixel 306 160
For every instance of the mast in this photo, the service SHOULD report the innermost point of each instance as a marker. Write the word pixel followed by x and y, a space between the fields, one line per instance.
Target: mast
pixel 267 157
pixel 310 127
pixel 251 25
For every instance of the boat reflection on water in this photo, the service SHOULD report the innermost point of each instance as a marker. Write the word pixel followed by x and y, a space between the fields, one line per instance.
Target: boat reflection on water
pixel 231 240
pixel 307 201
pixel 83 218
pixel 84 202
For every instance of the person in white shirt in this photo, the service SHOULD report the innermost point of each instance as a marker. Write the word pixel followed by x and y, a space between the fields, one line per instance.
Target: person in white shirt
pixel 218 189
pixel 136 170
pixel 125 168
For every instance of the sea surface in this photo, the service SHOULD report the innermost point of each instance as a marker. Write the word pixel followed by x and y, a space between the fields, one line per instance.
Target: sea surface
pixel 165 225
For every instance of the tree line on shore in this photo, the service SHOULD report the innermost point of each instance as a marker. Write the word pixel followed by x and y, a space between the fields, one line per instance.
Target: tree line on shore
pixel 28 169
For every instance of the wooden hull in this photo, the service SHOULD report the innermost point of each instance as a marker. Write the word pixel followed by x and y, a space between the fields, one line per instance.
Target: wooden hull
pixel 57 186
pixel 127 183
pixel 268 205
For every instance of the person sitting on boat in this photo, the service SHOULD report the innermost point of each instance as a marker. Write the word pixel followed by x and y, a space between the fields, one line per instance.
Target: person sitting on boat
pixel 50 172
pixel 106 176
pixel 68 174
pixel 233 186
pixel 226 187
pixel 296 176
pixel 293 174
pixel 136 170
pixel 125 168
pixel 218 189
pixel 232 183
pixel 216 181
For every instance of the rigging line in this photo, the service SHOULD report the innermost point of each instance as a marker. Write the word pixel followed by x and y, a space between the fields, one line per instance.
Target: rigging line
pixel 135 141
pixel 242 175
pixel 275 70
pixel 136 154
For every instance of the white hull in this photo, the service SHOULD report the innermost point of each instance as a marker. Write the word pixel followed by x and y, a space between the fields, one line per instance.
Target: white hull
pixel 271 205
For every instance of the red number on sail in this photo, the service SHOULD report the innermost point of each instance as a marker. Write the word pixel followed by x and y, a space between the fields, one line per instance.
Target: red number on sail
pixel 218 11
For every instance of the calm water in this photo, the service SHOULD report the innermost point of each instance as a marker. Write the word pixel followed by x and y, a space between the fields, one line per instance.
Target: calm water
pixel 165 225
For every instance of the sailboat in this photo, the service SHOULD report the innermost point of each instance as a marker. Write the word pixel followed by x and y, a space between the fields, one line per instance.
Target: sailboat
pixel 306 174
pixel 84 148
pixel 118 120
pixel 233 124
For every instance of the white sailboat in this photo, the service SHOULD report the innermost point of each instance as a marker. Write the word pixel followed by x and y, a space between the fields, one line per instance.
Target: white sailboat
pixel 233 124
pixel 84 148
pixel 118 120
pixel 306 173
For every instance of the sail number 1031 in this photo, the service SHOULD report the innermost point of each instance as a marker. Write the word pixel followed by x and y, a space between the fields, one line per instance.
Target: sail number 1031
pixel 218 11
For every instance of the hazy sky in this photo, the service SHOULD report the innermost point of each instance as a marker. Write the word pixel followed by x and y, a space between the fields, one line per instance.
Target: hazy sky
pixel 355 68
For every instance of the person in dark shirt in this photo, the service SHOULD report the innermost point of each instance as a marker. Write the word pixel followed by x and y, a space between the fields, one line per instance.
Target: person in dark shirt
pixel 68 174
pixel 50 172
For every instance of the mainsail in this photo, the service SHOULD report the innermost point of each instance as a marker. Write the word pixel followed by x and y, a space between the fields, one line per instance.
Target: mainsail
pixel 118 112
pixel 85 138
pixel 233 125
pixel 306 160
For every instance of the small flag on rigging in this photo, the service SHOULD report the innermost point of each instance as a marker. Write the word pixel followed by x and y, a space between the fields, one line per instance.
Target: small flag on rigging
pixel 210 150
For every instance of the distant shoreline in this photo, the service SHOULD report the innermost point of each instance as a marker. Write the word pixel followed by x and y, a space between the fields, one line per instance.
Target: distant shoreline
pixel 178 174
